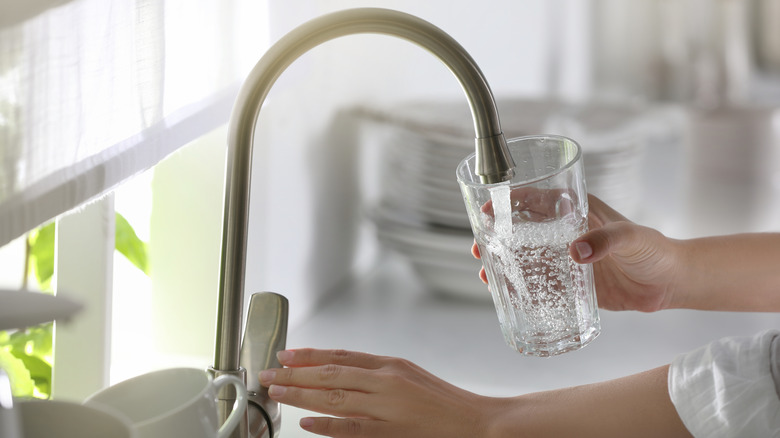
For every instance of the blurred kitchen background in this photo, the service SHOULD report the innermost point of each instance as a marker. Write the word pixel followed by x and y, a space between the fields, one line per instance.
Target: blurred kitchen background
pixel 675 103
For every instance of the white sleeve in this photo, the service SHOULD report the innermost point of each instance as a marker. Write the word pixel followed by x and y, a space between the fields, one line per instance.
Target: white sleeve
pixel 727 389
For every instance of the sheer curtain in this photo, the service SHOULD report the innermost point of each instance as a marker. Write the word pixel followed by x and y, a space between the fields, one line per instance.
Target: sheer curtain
pixel 93 92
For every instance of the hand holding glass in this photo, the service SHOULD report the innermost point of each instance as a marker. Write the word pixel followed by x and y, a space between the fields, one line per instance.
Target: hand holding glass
pixel 546 302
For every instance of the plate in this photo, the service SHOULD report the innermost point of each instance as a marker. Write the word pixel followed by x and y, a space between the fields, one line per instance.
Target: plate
pixel 453 283
pixel 21 308
pixel 440 256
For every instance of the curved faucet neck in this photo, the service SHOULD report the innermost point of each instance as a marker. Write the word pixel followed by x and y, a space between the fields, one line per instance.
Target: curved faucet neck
pixel 494 162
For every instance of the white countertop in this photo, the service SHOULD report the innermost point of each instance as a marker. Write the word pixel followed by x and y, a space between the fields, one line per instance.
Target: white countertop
pixel 388 312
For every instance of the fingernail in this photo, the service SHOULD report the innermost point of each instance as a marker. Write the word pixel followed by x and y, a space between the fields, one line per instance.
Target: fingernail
pixel 306 422
pixel 583 249
pixel 267 376
pixel 276 390
pixel 285 356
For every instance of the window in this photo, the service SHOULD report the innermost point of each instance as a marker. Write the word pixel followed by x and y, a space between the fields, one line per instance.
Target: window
pixel 92 94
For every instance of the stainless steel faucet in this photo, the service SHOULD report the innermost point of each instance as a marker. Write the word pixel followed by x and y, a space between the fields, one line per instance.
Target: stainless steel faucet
pixel 267 319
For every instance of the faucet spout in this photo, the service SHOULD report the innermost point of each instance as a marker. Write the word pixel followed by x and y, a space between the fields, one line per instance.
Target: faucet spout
pixel 494 163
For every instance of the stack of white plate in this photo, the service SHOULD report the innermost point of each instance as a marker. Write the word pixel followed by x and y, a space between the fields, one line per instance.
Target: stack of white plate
pixel 419 209
pixel 440 256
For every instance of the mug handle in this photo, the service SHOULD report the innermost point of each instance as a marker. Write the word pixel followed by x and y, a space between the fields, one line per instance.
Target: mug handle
pixel 239 407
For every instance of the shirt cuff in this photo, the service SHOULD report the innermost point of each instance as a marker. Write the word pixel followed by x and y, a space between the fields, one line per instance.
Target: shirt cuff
pixel 726 388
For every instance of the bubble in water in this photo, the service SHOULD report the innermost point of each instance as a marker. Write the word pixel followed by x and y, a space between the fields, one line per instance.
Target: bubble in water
pixel 534 279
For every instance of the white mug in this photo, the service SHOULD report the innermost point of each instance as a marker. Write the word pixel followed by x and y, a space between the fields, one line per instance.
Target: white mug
pixel 62 419
pixel 172 403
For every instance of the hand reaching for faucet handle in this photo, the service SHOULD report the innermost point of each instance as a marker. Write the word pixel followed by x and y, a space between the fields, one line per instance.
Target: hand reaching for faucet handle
pixel 383 397
pixel 374 396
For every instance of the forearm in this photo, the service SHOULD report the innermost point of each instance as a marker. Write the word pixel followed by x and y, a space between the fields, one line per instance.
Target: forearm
pixel 732 273
pixel 636 406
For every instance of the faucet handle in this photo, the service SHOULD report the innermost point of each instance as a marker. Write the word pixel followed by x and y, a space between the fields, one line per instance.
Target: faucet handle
pixel 265 335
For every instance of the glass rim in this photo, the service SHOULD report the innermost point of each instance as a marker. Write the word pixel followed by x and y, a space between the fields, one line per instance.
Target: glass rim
pixel 558 171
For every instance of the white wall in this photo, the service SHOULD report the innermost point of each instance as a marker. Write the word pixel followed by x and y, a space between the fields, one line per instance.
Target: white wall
pixel 185 236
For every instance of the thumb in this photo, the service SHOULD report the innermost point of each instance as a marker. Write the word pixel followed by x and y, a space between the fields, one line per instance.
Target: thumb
pixel 597 244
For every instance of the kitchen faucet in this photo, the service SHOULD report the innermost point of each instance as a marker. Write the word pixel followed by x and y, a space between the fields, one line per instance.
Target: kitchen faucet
pixel 266 326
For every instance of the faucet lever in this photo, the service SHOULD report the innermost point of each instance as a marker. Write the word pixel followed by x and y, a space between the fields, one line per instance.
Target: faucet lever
pixel 265 335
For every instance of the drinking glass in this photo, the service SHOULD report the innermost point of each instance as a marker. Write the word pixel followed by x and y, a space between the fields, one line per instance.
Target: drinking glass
pixel 546 302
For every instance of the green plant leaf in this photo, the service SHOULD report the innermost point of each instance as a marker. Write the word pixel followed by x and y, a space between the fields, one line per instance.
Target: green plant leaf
pixel 26 355
pixel 129 245
pixel 39 371
pixel 31 351
pixel 33 341
pixel 22 385
pixel 42 254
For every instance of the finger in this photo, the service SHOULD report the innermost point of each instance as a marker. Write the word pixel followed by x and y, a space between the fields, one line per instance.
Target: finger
pixel 340 427
pixel 483 275
pixel 487 208
pixel 323 377
pixel 312 357
pixel 338 402
pixel 597 244
pixel 581 251
pixel 475 251
pixel 538 205
pixel 602 212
